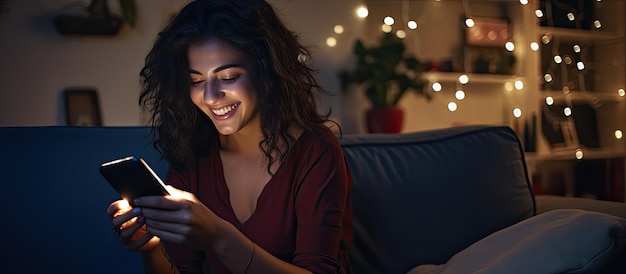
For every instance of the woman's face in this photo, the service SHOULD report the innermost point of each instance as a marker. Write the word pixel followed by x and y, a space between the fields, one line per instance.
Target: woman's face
pixel 222 86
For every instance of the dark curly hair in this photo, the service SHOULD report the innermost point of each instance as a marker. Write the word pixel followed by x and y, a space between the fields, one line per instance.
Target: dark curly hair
pixel 286 85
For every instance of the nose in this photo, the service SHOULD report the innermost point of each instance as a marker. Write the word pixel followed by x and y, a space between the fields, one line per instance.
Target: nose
pixel 212 92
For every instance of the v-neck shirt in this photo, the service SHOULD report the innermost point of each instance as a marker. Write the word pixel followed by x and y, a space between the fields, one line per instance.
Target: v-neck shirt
pixel 303 214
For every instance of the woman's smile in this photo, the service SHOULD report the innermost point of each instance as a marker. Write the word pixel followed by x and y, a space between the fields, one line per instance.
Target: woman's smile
pixel 223 113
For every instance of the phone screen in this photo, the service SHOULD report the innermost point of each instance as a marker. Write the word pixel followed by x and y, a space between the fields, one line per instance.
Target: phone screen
pixel 132 177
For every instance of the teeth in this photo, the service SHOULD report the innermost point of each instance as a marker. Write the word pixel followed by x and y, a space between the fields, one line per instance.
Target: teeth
pixel 224 110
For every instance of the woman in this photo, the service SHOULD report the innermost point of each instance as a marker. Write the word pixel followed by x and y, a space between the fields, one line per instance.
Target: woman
pixel 258 184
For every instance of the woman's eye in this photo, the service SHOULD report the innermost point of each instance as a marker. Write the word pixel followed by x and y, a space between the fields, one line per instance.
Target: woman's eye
pixel 197 83
pixel 229 78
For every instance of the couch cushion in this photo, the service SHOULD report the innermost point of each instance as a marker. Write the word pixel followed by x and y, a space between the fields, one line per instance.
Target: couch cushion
pixel 421 197
pixel 54 198
pixel 559 241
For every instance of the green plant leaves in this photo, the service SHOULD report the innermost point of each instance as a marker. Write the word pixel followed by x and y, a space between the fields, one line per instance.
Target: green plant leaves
pixel 386 70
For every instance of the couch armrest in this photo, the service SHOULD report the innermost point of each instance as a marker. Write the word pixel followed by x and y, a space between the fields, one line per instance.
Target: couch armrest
pixel 546 203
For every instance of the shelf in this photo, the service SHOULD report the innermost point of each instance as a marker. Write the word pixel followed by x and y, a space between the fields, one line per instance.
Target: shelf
pixel 570 154
pixel 578 35
pixel 583 96
pixel 474 78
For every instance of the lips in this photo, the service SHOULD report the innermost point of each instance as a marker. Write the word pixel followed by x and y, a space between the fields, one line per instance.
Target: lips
pixel 224 112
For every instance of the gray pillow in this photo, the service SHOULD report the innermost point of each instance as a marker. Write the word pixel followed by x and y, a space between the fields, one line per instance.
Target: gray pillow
pixel 558 241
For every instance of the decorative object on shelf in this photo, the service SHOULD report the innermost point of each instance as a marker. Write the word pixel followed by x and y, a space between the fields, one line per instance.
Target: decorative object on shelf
pixel 485 51
pixel 573 14
pixel 386 72
pixel 82 107
pixel 94 19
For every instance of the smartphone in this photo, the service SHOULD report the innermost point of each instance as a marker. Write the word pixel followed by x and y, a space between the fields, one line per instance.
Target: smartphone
pixel 132 177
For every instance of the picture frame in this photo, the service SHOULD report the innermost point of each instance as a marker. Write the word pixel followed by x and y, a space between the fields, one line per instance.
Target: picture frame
pixel 82 107
pixel 488 32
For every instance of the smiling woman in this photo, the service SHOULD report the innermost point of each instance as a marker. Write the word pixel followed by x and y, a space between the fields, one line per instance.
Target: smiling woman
pixel 234 110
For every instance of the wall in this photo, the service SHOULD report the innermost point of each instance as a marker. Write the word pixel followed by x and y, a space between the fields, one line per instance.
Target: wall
pixel 38 64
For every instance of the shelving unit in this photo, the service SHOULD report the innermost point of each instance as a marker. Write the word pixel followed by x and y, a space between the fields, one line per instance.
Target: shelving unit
pixel 580 80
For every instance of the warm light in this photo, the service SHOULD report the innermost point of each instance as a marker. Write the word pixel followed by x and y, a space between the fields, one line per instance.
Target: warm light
pixel 567 111
pixel 621 92
pixel 469 22
pixel 452 106
pixel 519 85
pixel 338 29
pixel 576 48
pixel 549 100
pixel 523 2
pixel 618 134
pixel 547 77
pixel 412 24
pixel 571 17
pixel 401 34
pixel 362 12
pixel 538 13
pixel 579 154
pixel 534 46
pixel 124 205
pixel 386 28
pixel 331 41
pixel 597 24
pixel 558 59
pixel 389 20
pixel 508 86
pixel 580 65
pixel 546 38
pixel 509 46
pixel 436 86
pixel 566 90
pixel 460 94
pixel 463 79
pixel 568 60
pixel 517 112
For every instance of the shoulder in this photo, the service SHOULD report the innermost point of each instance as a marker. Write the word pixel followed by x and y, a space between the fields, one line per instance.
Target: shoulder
pixel 320 136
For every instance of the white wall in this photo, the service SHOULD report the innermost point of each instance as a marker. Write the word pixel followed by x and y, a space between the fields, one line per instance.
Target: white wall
pixel 38 64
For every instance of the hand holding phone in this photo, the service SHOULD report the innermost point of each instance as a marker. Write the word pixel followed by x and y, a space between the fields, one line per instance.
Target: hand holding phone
pixel 132 177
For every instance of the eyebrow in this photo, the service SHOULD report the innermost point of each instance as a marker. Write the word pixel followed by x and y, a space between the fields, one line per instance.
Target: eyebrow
pixel 217 69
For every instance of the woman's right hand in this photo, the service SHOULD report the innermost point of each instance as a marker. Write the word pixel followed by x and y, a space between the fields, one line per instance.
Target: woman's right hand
pixel 129 225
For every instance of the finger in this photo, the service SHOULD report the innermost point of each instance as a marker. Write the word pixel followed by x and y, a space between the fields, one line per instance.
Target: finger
pixel 161 202
pixel 167 236
pixel 167 216
pixel 117 206
pixel 122 218
pixel 127 230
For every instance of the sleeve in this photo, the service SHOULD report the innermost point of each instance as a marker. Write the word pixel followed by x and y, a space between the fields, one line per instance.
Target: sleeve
pixel 186 260
pixel 321 206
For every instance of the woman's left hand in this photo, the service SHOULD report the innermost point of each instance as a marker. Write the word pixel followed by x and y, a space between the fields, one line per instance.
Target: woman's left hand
pixel 180 218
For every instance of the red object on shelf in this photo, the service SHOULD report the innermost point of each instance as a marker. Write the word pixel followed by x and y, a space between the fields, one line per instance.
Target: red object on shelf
pixel 384 120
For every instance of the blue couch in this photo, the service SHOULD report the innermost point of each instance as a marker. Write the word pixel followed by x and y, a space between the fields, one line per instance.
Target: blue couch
pixel 440 201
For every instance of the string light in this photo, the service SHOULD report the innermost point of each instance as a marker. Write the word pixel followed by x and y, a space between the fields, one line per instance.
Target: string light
pixel 436 86
pixel 452 106
pixel 463 79
pixel 579 154
pixel 362 12
pixel 618 134
pixel 460 94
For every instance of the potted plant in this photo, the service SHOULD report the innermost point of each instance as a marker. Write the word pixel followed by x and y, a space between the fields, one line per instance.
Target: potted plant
pixel 386 72
pixel 95 18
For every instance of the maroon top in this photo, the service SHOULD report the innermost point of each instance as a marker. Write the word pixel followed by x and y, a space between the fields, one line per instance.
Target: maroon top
pixel 303 215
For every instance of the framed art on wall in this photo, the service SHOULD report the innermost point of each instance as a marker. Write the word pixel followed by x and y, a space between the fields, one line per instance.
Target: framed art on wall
pixel 82 107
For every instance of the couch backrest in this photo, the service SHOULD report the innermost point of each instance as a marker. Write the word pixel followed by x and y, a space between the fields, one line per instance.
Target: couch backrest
pixel 418 197
pixel 421 197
